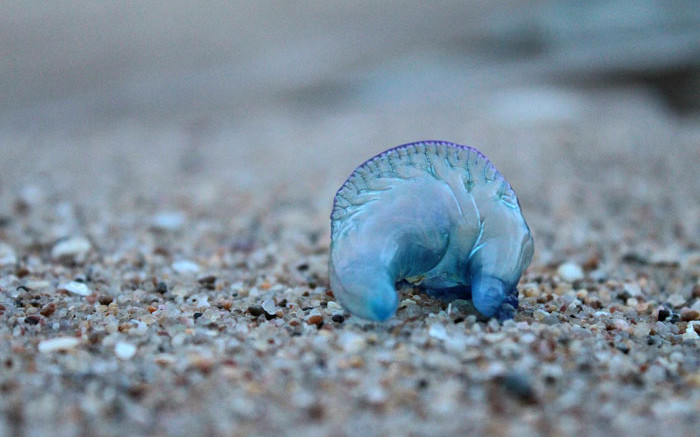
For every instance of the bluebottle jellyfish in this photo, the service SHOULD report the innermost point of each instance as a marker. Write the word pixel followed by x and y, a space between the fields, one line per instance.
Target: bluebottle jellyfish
pixel 435 214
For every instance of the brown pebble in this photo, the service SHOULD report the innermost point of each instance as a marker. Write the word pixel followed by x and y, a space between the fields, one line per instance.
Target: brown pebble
pixel 2 307
pixel 592 262
pixel 226 304
pixel 22 272
pixel 696 291
pixel 105 300
pixel 208 282
pixel 315 320
pixel 91 298
pixel 48 309
pixel 151 309
pixel 687 315
pixel 95 337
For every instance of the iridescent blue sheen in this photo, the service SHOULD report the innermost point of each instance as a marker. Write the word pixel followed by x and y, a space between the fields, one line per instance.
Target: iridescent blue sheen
pixel 435 214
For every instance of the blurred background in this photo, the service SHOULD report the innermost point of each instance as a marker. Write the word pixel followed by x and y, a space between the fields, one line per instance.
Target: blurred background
pixel 579 103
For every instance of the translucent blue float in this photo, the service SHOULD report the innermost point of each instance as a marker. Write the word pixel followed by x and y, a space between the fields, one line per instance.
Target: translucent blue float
pixel 435 214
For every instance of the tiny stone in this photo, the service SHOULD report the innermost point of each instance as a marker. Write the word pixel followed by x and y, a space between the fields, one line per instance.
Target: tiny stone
pixel 315 320
pixel 124 350
pixel 58 344
pixel 570 272
pixel 663 314
pixel 197 315
pixel 696 291
pixel 676 300
pixel 351 342
pixel 519 386
pixel 161 288
pixel 438 331
pixel 207 281
pixel 687 315
pixel 48 309
pixel 75 248
pixel 691 331
pixel 168 221
pixel 338 318
pixel 185 267
pixel 256 310
pixel 268 306
pixel 333 306
pixel 632 289
pixel 32 320
pixel 76 287
pixel 105 300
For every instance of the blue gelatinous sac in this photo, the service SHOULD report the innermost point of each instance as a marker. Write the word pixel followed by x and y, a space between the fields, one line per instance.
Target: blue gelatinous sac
pixel 435 214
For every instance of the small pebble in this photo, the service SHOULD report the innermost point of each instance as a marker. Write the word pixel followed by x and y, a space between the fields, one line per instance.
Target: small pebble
pixel 161 288
pixel 663 314
pixel 333 306
pixel 338 318
pixel 632 289
pixel 255 310
pixel 676 300
pixel 124 351
pixel 520 387
pixel 691 331
pixel 58 344
pixel 75 248
pixel 168 221
pixel 438 331
pixel 76 287
pixel 48 309
pixel 570 272
pixel 315 320
pixel 185 267
pixel 268 305
pixel 32 320
pixel 687 315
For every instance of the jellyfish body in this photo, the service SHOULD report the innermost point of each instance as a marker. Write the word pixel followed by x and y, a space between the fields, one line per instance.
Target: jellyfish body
pixel 435 214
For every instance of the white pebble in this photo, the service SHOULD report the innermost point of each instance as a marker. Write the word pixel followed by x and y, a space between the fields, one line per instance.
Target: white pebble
pixel 351 342
pixel 632 289
pixel 690 333
pixel 332 306
pixel 168 221
pixel 76 248
pixel 185 267
pixel 570 272
pixel 268 305
pixel 124 351
pixel 58 344
pixel 437 331
pixel 76 287
pixel 7 255
pixel 676 300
